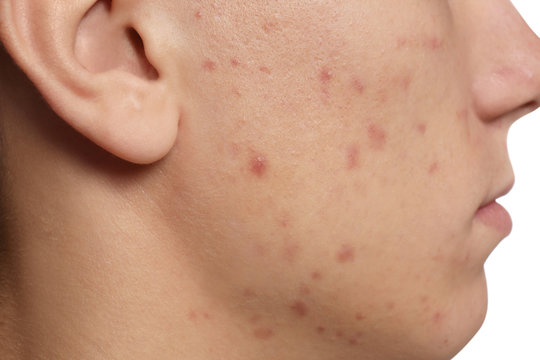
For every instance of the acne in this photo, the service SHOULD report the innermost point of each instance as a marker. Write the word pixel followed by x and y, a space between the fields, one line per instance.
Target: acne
pixel 265 70
pixel 249 293
pixel 291 251
pixel 269 26
pixel 352 159
pixel 421 128
pixel 305 290
pixel 235 63
pixel 320 329
pixel 433 43
pixel 391 305
pixel 316 275
pixel 463 114
pixel 358 86
pixel 345 254
pixel 258 165
pixel 359 316
pixel 325 77
pixel 433 168
pixel 198 15
pixel 376 136
pixel 299 308
pixel 263 333
pixel 353 341
pixel 254 319
pixel 339 333
pixel 437 317
pixel 209 65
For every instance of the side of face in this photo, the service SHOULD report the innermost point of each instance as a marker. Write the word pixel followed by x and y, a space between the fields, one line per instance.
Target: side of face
pixel 344 156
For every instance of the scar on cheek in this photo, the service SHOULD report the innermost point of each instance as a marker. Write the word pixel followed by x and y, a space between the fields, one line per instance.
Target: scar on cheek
pixel 376 136
pixel 263 333
pixel 209 65
pixel 258 166
pixel 345 254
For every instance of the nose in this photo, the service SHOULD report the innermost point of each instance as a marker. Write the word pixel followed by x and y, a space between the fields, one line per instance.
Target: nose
pixel 505 62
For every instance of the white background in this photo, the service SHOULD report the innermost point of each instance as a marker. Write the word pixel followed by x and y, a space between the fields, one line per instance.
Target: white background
pixel 512 327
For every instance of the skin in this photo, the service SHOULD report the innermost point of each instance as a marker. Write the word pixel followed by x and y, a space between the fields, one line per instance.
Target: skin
pixel 319 200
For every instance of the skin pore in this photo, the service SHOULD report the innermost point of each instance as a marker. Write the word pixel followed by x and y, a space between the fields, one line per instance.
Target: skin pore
pixel 317 198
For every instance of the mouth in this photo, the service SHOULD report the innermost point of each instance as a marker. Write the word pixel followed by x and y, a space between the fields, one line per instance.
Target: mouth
pixel 495 216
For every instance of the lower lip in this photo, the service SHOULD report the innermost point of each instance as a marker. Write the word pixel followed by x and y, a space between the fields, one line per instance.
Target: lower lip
pixel 495 216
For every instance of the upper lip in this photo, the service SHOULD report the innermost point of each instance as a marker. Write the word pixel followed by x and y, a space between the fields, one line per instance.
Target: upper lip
pixel 499 193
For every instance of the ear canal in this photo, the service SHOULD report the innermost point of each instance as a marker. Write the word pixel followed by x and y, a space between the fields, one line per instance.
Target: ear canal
pixel 102 44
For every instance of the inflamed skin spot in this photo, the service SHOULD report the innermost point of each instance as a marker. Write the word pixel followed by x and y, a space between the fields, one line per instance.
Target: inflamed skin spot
pixel 376 136
pixel 345 254
pixel 258 165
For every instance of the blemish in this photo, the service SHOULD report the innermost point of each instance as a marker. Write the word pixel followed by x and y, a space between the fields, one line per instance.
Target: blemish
pixel 377 137
pixel 284 221
pixel 316 275
pixel 207 316
pixel 265 70
pixel 198 14
pixel 358 86
pixel 433 43
pixel 258 165
pixel 254 319
pixel 269 26
pixel 235 62
pixel 401 42
pixel 325 75
pixel 405 83
pixel 263 333
pixel 437 317
pixel 249 293
pixel 305 290
pixel 421 128
pixel 352 157
pixel 359 317
pixel 299 308
pixel 353 341
pixel 291 252
pixel 345 254
pixel 433 168
pixel 463 114
pixel 424 299
pixel 209 65
pixel 192 315
pixel 391 305
pixel 236 92
pixel 321 329
pixel 339 333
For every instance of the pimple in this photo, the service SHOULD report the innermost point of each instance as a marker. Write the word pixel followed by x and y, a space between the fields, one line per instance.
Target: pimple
pixel 192 315
pixel 424 299
pixel 269 26
pixel 463 114
pixel 433 168
pixel 299 308
pixel 254 319
pixel 391 305
pixel 339 333
pixel 316 275
pixel 321 329
pixel 433 43
pixel 209 65
pixel 437 317
pixel 421 128
pixel 353 153
pixel 291 252
pixel 359 317
pixel 265 70
pixel 358 86
pixel 249 293
pixel 377 137
pixel 353 341
pixel 258 166
pixel 198 14
pixel 405 83
pixel 236 92
pixel 263 333
pixel 345 254
pixel 305 290
pixel 235 62
pixel 401 42
pixel 325 75
pixel 207 316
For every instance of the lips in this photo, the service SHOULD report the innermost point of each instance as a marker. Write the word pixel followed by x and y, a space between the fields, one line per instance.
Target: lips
pixel 493 215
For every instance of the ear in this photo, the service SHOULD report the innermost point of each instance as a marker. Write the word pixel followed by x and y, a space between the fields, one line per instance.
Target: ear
pixel 100 66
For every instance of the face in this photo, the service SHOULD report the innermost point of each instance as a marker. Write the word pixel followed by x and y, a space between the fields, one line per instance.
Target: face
pixel 339 152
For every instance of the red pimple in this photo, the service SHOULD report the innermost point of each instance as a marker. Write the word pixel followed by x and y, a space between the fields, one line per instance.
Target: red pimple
pixel 424 299
pixel 299 308
pixel 401 42
pixel 433 168
pixel 353 154
pixel 463 114
pixel 377 137
pixel 209 65
pixel 321 329
pixel 235 62
pixel 255 319
pixel 258 165
pixel 325 75
pixel 192 315
pixel 264 69
pixel 421 128
pixel 198 14
pixel 437 317
pixel 433 43
pixel 316 275
pixel 345 254
pixel 263 333
pixel 391 305
pixel 305 290
pixel 358 85
pixel 359 316
pixel 339 333
pixel 291 252
pixel 353 341
pixel 249 293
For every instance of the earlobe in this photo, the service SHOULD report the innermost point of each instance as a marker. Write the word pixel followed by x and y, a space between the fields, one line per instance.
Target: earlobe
pixel 88 59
